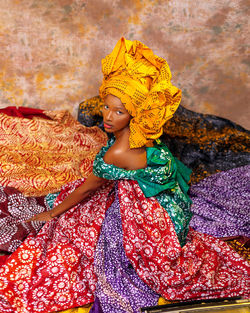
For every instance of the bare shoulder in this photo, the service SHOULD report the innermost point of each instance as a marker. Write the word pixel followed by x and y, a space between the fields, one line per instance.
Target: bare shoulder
pixel 129 159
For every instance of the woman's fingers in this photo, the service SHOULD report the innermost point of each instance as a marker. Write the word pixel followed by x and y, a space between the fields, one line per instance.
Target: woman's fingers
pixel 43 217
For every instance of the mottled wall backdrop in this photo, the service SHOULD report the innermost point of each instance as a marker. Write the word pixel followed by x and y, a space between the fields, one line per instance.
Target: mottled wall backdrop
pixel 51 50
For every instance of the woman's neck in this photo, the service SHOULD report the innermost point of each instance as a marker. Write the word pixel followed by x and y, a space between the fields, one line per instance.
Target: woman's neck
pixel 122 135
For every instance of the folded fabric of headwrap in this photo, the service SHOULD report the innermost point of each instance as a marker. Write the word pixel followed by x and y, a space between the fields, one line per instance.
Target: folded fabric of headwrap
pixel 142 81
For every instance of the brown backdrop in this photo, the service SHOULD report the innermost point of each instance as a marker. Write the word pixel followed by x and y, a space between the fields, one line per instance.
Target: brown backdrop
pixel 51 50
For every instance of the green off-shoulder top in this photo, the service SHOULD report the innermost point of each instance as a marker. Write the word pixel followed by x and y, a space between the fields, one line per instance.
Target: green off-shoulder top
pixel 165 177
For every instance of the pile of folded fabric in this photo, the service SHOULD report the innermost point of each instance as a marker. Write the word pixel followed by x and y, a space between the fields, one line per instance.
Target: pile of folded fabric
pixel 40 151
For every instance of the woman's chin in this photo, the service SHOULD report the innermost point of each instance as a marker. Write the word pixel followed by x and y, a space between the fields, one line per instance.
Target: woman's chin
pixel 108 130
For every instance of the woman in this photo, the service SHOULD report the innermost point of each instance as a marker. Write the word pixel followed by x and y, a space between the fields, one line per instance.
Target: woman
pixel 122 235
pixel 116 120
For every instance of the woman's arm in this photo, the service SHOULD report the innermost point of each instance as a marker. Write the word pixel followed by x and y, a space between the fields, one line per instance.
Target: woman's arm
pixel 91 184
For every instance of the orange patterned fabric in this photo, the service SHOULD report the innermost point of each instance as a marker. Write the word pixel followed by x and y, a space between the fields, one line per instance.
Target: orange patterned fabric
pixel 241 248
pixel 38 156
pixel 142 81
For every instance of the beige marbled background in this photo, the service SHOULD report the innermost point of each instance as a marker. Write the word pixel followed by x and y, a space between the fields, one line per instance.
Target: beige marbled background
pixel 51 50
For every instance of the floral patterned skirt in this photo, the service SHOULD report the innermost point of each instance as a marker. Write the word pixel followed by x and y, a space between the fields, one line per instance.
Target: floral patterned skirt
pixel 71 258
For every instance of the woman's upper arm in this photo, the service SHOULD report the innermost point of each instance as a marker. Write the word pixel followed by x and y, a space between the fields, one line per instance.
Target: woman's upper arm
pixel 92 183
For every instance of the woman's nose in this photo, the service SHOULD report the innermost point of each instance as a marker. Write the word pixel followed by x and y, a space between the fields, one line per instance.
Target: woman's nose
pixel 109 115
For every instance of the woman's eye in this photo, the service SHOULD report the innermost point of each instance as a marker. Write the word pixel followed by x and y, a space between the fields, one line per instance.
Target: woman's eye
pixel 119 112
pixel 106 107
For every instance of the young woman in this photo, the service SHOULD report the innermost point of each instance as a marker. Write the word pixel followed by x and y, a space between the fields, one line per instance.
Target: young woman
pixel 121 237
pixel 116 120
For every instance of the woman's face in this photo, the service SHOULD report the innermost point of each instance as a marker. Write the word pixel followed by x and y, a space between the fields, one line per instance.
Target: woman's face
pixel 115 116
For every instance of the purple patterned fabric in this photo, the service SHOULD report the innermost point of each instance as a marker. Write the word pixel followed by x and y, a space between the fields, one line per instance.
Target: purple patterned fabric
pixel 96 307
pixel 221 203
pixel 119 289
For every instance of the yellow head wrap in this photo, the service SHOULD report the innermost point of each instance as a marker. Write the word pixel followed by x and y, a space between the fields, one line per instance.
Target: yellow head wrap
pixel 142 81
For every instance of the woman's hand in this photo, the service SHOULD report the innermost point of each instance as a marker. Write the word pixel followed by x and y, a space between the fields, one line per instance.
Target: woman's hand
pixel 44 216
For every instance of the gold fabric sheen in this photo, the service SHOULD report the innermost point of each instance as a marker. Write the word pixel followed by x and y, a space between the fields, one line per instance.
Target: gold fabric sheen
pixel 86 309
pixel 142 81
pixel 38 156
pixel 83 309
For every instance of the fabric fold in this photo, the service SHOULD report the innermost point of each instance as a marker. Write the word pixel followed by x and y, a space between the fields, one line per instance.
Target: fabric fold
pixel 159 178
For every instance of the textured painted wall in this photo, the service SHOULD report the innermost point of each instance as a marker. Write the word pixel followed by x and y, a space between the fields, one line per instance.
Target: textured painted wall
pixel 51 50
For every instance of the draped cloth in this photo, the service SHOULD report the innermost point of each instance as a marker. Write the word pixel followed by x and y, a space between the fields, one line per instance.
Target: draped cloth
pixel 38 155
pixel 54 270
pixel 15 209
pixel 119 288
pixel 164 177
pixel 221 202
pixel 39 152
pixel 24 112
pixel 206 143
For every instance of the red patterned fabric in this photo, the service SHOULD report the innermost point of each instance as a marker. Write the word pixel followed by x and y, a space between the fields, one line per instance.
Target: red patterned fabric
pixel 24 112
pixel 204 268
pixel 54 270
pixel 15 209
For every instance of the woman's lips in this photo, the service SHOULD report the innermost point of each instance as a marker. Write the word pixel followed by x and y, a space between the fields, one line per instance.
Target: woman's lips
pixel 107 125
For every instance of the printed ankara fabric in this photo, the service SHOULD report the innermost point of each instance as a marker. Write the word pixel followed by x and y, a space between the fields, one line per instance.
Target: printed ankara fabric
pixel 119 289
pixel 221 202
pixel 142 81
pixel 15 209
pixel 164 177
pixel 38 156
pixel 54 270
pixel 206 143
pixel 204 268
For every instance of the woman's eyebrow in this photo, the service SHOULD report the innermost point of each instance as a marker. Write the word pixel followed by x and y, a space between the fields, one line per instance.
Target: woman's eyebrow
pixel 119 107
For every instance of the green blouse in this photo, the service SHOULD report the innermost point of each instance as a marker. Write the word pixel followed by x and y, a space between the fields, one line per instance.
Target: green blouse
pixel 165 177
